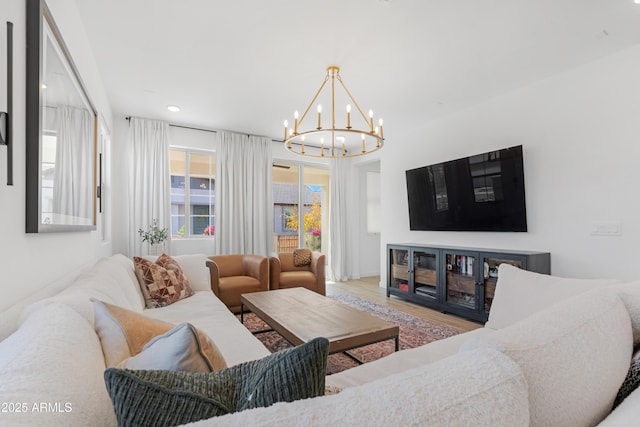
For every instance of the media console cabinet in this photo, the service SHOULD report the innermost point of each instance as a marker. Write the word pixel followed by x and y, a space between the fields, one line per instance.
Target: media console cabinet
pixel 455 280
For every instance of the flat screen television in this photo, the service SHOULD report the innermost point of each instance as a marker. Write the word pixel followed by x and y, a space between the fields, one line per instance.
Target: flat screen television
pixel 484 192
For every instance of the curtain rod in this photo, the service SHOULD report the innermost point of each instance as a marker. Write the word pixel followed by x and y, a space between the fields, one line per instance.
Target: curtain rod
pixel 128 118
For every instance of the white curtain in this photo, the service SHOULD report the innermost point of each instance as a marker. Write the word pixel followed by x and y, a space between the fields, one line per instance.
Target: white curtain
pixel 244 207
pixel 148 180
pixel 339 177
pixel 73 172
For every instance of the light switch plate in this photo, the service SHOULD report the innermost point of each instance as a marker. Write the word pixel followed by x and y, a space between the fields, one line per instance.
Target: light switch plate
pixel 606 228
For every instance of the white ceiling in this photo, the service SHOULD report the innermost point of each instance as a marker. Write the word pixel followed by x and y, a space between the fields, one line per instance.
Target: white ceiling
pixel 246 65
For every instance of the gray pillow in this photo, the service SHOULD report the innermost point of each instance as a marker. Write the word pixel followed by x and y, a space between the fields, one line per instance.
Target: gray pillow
pixel 167 398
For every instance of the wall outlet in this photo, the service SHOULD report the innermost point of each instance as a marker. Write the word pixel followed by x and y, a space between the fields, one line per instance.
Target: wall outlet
pixel 606 228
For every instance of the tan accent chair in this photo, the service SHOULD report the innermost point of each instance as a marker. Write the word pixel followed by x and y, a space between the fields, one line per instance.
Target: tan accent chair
pixel 283 274
pixel 233 275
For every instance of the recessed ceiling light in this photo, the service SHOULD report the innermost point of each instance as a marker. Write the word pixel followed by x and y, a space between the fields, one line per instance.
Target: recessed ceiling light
pixel 44 86
pixel 173 108
pixel 636 1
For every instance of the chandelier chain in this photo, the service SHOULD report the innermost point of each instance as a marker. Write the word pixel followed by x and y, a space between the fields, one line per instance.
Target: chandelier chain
pixel 352 100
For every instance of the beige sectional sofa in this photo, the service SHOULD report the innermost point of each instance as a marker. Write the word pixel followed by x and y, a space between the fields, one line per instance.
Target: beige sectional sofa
pixel 554 352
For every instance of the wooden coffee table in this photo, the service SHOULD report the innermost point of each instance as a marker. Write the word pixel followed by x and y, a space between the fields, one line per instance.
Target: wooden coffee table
pixel 300 315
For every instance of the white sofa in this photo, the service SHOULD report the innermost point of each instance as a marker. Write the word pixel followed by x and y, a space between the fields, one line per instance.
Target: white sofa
pixel 54 358
pixel 554 352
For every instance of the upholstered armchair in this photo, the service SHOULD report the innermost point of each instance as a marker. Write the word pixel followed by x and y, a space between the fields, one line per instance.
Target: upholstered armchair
pixel 233 275
pixel 284 274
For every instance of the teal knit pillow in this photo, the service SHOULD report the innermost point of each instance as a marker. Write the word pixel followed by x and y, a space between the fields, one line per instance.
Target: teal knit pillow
pixel 168 398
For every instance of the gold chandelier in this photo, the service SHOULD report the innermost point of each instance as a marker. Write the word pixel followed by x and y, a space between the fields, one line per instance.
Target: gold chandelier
pixel 333 141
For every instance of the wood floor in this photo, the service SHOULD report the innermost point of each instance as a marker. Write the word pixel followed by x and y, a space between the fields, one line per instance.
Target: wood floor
pixel 368 288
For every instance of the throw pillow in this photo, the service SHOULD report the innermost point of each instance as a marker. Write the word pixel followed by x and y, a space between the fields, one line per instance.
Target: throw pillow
pixel 163 282
pixel 301 257
pixel 180 349
pixel 580 335
pixel 174 398
pixel 632 380
pixel 521 293
pixel 124 333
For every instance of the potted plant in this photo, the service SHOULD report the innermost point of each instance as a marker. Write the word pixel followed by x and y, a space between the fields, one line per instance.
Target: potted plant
pixel 155 237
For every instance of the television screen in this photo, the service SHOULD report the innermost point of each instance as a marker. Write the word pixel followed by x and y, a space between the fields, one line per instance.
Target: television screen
pixel 484 192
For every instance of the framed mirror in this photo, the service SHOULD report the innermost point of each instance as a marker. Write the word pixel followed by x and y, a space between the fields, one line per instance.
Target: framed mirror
pixel 61 133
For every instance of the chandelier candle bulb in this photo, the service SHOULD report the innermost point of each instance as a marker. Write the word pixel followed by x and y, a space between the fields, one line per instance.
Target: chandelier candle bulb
pixel 286 126
pixel 295 125
pixel 322 147
pixel 371 120
pixel 380 125
pixel 363 150
pixel 348 116
pixel 302 142
pixel 319 116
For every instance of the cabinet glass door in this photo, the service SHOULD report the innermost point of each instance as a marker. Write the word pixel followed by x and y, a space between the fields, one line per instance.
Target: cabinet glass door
pixel 399 274
pixel 490 274
pixel 460 280
pixel 424 270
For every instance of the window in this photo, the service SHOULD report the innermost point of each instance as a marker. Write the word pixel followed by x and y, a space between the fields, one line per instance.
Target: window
pixel 192 204
pixel 300 196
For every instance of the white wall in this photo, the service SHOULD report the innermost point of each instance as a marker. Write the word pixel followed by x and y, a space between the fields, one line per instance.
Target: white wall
pixel 581 136
pixel 29 262
pixel 120 182
pixel 367 244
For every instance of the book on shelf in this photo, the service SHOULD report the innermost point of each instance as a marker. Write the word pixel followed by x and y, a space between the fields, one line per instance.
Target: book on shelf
pixel 461 264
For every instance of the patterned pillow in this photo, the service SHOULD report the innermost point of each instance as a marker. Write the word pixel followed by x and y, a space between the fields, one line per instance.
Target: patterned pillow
pixel 163 282
pixel 174 398
pixel 301 257
pixel 632 380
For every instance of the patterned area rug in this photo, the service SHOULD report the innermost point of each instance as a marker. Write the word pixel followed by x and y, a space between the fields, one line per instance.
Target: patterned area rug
pixel 414 332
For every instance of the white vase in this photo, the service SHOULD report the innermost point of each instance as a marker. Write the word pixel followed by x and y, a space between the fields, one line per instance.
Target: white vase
pixel 156 249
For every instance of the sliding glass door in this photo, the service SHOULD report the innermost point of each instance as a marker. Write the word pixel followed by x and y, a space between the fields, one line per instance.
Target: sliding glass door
pixel 300 206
